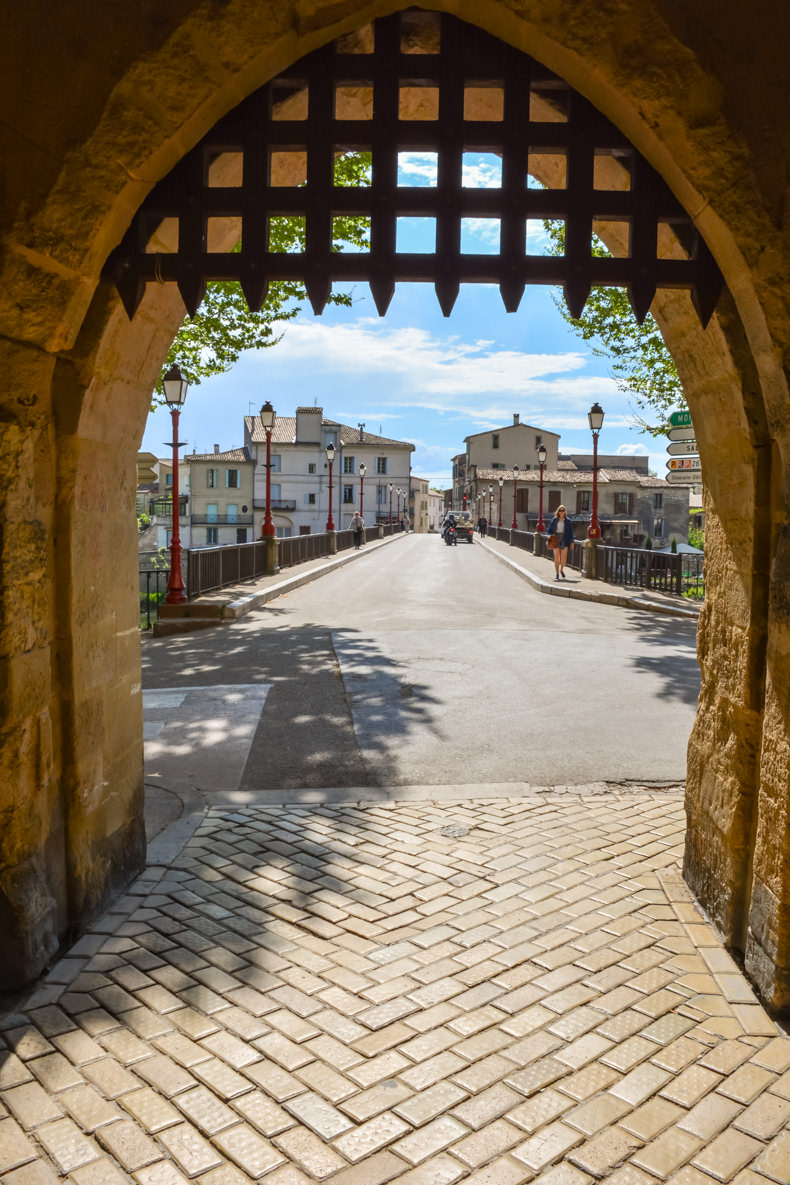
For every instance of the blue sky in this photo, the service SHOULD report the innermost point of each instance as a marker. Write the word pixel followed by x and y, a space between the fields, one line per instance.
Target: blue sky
pixel 418 376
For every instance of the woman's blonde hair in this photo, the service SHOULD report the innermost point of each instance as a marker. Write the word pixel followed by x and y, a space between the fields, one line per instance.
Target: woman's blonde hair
pixel 560 508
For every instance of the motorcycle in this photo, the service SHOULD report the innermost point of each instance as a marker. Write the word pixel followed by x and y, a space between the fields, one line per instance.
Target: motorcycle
pixel 449 536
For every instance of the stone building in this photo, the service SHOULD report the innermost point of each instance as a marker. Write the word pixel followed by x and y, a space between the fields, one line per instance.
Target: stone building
pixel 418 504
pixel 89 134
pixel 221 485
pixel 299 485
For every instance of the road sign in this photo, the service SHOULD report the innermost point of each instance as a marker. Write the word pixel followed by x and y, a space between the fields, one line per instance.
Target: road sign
pixel 681 433
pixel 676 477
pixel 687 464
pixel 682 448
pixel 680 419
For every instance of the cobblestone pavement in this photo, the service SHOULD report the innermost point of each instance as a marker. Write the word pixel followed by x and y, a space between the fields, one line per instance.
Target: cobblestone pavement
pixel 493 991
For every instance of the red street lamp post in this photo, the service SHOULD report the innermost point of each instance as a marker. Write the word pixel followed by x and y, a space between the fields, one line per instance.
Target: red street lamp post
pixel 362 471
pixel 490 503
pixel 175 388
pixel 389 520
pixel 330 456
pixel 267 419
pixel 541 526
pixel 501 483
pixel 514 524
pixel 397 512
pixel 595 419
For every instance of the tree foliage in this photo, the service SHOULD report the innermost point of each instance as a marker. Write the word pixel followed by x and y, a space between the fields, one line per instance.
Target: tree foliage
pixel 641 364
pixel 224 327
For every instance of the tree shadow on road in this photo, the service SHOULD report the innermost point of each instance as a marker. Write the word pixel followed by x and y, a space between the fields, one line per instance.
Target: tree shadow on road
pixel 306 738
pixel 674 664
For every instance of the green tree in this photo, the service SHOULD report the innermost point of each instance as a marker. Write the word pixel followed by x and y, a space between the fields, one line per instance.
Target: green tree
pixel 641 364
pixel 224 327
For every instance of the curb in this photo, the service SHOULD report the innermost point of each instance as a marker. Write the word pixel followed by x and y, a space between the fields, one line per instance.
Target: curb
pixel 579 594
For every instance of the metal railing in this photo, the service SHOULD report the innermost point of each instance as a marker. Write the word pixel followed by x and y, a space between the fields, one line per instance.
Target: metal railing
pixel 640 568
pixel 153 590
pixel 207 569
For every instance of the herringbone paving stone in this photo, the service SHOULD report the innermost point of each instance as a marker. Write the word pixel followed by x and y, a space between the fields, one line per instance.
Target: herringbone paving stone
pixel 496 991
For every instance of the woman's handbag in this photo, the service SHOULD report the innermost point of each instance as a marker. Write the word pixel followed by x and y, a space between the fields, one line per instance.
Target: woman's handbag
pixel 553 541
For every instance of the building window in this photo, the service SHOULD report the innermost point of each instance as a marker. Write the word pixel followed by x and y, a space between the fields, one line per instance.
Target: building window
pixel 168 479
pixel 212 536
pixel 538 441
pixel 285 532
pixel 522 501
pixel 658 528
pixel 212 478
pixel 277 462
pixel 583 501
pixel 555 500
pixel 623 503
pixel 381 495
pixel 232 511
pixel 311 467
pixel 348 464
pixel 348 493
pixel 382 464
pixel 310 499
pixel 232 479
pixel 495 440
pixel 241 534
pixel 498 465
pixel 658 501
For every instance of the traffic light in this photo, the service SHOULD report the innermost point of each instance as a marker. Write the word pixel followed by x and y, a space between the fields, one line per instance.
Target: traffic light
pixel 464 501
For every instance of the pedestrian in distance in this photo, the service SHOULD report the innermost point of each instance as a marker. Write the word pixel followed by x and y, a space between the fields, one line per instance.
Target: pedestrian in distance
pixel 358 530
pixel 560 537
pixel 482 526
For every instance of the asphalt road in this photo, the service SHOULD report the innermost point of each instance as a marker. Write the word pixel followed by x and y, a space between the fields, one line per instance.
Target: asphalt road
pixel 423 665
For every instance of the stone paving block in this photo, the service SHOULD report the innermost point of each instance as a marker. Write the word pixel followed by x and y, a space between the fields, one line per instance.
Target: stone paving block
pixel 67 1145
pixel 370 1137
pixel 746 1083
pixel 440 1170
pixel 604 1152
pixel 15 1148
pixel 191 1152
pixel 224 1081
pixel 428 1140
pixel 36 1173
pixel 99 1172
pixel 487 1106
pixel 491 1140
pixel 593 1115
pixel 726 1154
pixel 317 1114
pixel 667 1152
pixel 547 1146
pixel 87 1107
pixel 277 1082
pixel 161 1173
pixel 31 1105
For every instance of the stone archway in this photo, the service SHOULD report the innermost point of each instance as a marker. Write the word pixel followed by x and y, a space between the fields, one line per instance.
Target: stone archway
pixel 78 379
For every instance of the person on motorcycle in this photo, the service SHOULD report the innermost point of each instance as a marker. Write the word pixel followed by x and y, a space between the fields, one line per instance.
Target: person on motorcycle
pixel 449 524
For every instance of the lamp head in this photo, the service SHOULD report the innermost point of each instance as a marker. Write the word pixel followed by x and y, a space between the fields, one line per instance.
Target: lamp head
pixel 490 488
pixel 501 481
pixel 595 417
pixel 363 470
pixel 175 387
pixel 516 472
pixel 542 454
pixel 267 416
pixel 330 453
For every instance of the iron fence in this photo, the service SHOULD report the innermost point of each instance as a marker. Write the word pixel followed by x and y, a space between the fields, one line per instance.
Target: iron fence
pixel 640 568
pixel 153 590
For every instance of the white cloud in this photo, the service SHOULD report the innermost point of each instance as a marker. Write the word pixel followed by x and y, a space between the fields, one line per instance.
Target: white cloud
pixel 631 450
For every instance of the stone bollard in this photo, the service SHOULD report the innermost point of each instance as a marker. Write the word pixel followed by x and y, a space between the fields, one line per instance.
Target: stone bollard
pixel 381 530
pixel 589 557
pixel 331 542
pixel 272 555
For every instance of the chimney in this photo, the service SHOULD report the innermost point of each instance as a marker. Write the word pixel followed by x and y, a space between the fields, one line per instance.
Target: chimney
pixel 216 448
pixel 515 418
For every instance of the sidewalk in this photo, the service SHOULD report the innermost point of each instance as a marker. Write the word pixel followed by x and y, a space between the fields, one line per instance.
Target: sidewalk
pixel 539 572
pixel 494 992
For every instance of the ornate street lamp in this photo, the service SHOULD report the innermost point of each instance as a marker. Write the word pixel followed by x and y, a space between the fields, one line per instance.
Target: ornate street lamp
pixel 267 419
pixel 501 481
pixel 595 419
pixel 397 512
pixel 330 456
pixel 514 524
pixel 175 388
pixel 362 471
pixel 542 453
pixel 490 503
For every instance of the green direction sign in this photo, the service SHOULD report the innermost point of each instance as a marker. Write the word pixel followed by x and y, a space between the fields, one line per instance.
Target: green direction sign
pixel 680 419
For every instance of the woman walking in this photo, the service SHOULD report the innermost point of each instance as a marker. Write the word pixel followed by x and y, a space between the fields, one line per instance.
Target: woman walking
pixel 562 530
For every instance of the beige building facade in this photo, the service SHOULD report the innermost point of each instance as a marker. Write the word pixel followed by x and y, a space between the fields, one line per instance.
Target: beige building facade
pixel 704 100
pixel 419 504
pixel 221 485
